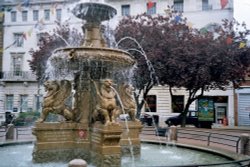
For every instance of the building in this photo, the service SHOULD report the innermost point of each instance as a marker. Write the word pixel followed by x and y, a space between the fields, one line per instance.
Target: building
pixel 2 114
pixel 24 22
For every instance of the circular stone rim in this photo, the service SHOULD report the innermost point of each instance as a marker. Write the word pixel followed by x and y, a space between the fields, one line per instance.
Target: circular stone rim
pixel 127 59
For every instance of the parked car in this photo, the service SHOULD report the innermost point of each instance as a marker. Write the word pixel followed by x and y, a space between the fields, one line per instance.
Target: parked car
pixel 191 119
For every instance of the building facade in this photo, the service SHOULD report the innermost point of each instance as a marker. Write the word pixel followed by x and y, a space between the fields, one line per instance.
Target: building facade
pixel 24 23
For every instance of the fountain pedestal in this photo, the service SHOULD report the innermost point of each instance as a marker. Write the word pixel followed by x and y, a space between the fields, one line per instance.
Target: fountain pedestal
pixel 130 139
pixel 105 147
pixel 61 142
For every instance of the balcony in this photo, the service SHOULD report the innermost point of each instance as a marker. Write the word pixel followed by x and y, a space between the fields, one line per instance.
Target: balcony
pixel 17 76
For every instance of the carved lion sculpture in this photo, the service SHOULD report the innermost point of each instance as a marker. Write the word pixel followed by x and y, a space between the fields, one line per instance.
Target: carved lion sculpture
pixel 128 101
pixel 106 109
pixel 54 101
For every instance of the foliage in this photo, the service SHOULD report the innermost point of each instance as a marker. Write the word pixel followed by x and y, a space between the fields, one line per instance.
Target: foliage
pixel 62 36
pixel 156 36
pixel 185 57
pixel 26 118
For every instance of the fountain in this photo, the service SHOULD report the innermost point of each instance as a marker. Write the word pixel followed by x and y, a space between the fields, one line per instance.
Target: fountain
pixel 92 130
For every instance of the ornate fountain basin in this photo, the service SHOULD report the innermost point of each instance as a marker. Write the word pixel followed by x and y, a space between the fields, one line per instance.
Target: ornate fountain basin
pixel 94 12
pixel 117 57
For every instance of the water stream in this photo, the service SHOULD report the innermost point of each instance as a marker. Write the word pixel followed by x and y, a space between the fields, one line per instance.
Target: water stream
pixel 127 128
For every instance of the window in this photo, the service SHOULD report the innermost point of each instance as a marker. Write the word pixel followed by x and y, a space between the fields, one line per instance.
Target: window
pixel 178 5
pixel 58 14
pixel 38 102
pixel 47 14
pixel 24 15
pixel 13 16
pixel 177 104
pixel 9 102
pixel 150 105
pixel 17 61
pixel 23 103
pixel 205 5
pixel 151 8
pixel 18 38
pixel 125 10
pixel 35 15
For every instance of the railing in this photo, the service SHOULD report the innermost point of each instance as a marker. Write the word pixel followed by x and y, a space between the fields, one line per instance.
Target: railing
pixel 210 137
pixel 17 76
pixel 23 131
pixel 2 131
pixel 239 163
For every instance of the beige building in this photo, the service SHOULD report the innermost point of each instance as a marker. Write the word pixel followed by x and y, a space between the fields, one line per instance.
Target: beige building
pixel 23 25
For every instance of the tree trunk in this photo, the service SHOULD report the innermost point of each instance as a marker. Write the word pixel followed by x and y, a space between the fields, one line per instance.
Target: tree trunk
pixel 141 103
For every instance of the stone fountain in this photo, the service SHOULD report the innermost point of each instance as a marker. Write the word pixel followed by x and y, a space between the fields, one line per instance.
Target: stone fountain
pixel 92 129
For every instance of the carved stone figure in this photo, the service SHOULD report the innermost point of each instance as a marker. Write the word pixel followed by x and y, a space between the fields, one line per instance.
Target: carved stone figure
pixel 128 101
pixel 55 99
pixel 106 109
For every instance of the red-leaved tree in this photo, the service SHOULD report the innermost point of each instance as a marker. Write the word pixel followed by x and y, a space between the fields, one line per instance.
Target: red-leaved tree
pixel 183 57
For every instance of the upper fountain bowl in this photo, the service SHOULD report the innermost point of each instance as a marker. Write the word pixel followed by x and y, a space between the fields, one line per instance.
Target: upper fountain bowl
pixel 94 12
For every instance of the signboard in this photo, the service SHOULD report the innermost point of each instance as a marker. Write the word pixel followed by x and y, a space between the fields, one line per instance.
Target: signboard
pixel 206 109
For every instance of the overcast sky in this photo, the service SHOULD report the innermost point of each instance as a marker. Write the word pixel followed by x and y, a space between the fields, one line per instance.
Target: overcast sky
pixel 242 11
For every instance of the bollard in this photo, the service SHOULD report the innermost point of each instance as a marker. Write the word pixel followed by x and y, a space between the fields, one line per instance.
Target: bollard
pixel 77 163
pixel 173 133
pixel 244 144
pixel 10 132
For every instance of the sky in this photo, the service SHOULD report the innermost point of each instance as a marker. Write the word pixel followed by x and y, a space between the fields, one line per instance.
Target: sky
pixel 242 11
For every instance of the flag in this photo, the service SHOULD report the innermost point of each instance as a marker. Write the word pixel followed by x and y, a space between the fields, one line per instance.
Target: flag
pixel 9 9
pixel 40 24
pixel 26 3
pixel 229 40
pixel 7 47
pixel 25 36
pixel 30 31
pixel 177 19
pixel 19 7
pixel 1 16
pixel 53 8
pixel 150 4
pixel 242 45
pixel 190 25
pixel 223 3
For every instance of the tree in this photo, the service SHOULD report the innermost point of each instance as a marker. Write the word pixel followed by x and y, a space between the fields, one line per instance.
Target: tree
pixel 185 57
pixel 155 37
pixel 62 36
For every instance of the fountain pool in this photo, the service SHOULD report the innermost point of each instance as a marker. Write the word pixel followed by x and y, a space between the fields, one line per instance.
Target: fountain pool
pixel 151 155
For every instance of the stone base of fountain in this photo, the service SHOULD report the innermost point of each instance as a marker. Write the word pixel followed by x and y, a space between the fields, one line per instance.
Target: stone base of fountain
pixel 61 142
pixel 130 139
pixel 105 147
